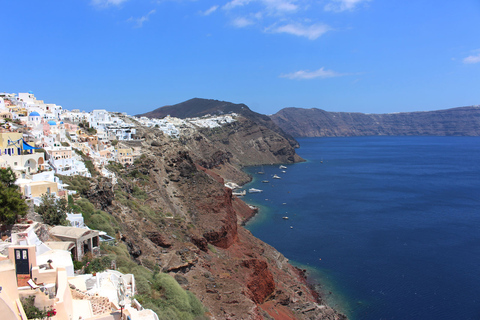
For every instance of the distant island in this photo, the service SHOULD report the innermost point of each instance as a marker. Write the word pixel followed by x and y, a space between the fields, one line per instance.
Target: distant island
pixel 298 122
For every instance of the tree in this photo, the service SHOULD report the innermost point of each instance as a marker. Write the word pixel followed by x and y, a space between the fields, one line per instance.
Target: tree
pixel 8 178
pixel 53 210
pixel 12 204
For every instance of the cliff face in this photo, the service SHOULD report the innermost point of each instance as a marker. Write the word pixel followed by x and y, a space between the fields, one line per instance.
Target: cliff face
pixel 240 143
pixel 177 213
pixel 298 122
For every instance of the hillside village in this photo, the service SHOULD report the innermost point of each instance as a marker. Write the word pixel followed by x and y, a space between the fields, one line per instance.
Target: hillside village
pixel 41 142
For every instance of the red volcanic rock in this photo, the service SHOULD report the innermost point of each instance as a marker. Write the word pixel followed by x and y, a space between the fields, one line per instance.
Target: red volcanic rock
pixel 226 235
pixel 260 282
pixel 158 239
pixel 200 242
pixel 277 312
pixel 210 173
pixel 244 212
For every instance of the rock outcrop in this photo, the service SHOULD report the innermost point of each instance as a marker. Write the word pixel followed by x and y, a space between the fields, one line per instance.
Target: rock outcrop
pixel 260 282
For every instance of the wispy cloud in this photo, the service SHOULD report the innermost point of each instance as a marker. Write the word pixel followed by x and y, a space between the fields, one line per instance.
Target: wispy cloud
pixel 311 32
pixel 235 3
pixel 107 3
pixel 272 6
pixel 139 21
pixel 473 58
pixel 280 5
pixel 307 75
pixel 343 5
pixel 242 22
pixel 209 11
pixel 276 16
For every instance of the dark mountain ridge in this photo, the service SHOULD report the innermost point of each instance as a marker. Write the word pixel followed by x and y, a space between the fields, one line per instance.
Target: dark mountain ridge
pixel 462 121
pixel 198 107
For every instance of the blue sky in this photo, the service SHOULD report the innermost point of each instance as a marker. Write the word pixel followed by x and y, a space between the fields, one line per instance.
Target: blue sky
pixel 339 55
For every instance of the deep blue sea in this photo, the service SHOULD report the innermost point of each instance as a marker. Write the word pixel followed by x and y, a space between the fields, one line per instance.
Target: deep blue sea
pixel 389 225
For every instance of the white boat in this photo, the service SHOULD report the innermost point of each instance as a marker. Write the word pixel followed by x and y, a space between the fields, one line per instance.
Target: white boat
pixel 239 194
pixel 276 177
pixel 283 171
pixel 285 218
pixel 265 181
pixel 253 190
pixel 282 167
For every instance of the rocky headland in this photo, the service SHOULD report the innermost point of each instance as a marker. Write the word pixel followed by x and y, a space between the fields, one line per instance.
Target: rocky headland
pixel 298 122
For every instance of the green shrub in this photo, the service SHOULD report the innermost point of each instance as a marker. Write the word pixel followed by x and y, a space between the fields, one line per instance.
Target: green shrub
pixel 115 166
pixel 96 219
pixel 77 265
pixel 139 193
pixel 77 183
pixel 157 291
pixel 170 301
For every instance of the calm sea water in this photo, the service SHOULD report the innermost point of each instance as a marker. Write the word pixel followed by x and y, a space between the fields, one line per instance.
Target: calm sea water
pixel 390 225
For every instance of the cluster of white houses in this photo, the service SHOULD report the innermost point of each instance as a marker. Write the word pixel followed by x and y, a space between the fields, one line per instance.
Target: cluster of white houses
pixel 38 137
pixel 39 141
pixel 174 126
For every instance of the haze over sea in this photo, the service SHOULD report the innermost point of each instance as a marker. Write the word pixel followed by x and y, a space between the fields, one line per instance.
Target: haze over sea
pixel 390 225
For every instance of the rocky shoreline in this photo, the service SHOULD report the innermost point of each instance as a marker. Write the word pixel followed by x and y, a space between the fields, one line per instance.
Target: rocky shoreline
pixel 313 285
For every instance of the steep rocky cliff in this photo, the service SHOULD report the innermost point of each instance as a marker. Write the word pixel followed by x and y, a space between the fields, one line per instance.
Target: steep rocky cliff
pixel 240 143
pixel 173 209
pixel 298 122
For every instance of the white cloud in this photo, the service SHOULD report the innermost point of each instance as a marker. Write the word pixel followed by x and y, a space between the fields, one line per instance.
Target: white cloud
pixel 242 22
pixel 107 3
pixel 272 6
pixel 472 59
pixel 343 5
pixel 306 74
pixel 235 3
pixel 280 5
pixel 210 11
pixel 278 16
pixel 139 21
pixel 311 32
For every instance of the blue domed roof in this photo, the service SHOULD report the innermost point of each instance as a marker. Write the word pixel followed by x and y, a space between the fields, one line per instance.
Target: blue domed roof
pixel 61 122
pixel 52 123
pixel 34 114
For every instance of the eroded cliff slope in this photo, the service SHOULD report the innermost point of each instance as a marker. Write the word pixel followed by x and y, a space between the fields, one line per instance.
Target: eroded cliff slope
pixel 173 209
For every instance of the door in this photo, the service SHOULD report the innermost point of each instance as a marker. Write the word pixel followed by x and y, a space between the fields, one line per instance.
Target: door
pixel 22 264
